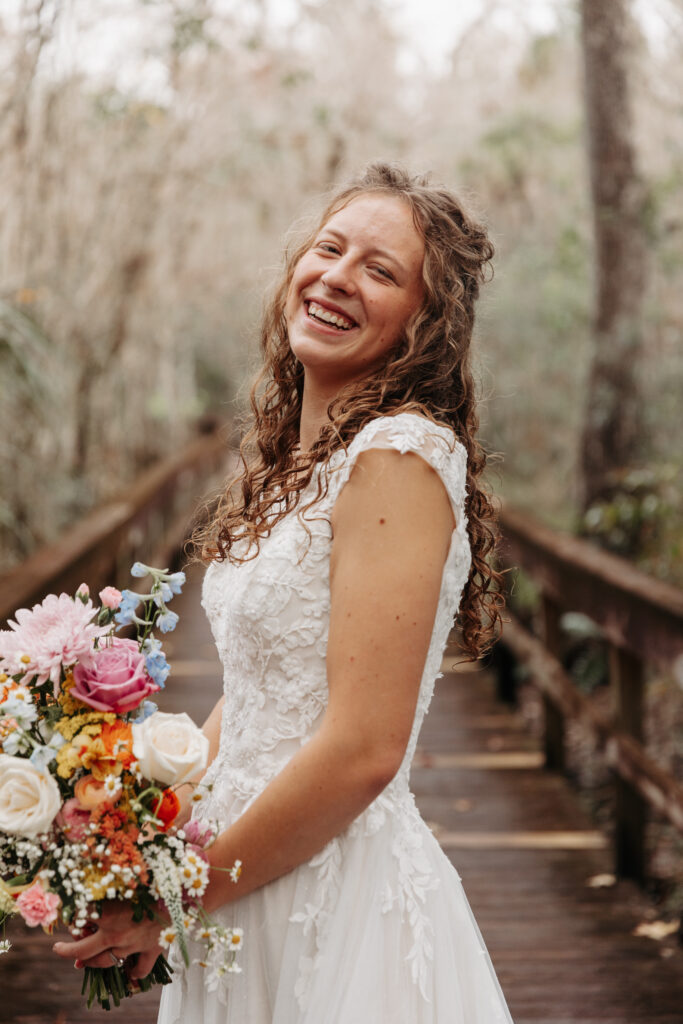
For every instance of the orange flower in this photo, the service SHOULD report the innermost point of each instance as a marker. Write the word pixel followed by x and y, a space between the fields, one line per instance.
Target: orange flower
pixel 166 809
pixel 118 741
pixel 93 755
pixel 90 793
pixel 120 835
pixel 110 820
pixel 108 752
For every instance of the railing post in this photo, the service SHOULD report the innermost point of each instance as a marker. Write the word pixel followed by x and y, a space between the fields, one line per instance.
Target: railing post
pixel 627 681
pixel 554 719
pixel 504 666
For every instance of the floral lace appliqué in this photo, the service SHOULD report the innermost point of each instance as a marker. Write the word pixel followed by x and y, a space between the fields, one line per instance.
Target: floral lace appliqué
pixel 270 620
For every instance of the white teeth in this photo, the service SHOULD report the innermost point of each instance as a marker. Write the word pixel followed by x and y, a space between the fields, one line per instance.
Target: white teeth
pixel 328 317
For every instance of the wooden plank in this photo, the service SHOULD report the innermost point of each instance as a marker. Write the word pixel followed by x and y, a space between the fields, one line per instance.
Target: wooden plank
pixel 589 839
pixel 512 759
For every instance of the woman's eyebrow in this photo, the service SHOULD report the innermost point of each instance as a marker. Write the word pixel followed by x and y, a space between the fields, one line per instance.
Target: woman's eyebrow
pixel 383 253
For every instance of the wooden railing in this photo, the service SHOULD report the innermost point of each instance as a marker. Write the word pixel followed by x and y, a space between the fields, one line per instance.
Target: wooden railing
pixel 641 620
pixel 149 521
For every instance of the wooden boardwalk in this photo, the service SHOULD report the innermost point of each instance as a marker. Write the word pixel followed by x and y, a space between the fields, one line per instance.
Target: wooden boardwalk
pixel 564 950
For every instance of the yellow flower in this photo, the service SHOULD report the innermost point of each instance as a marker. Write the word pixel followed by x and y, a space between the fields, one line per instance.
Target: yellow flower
pixel 94 888
pixel 67 761
pixel 69 705
pixel 94 754
pixel 90 723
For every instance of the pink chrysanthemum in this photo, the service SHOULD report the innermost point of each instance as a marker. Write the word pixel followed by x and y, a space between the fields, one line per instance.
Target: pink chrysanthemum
pixel 55 633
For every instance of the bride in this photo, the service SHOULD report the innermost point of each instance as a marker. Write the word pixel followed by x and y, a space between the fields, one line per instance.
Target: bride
pixel 357 530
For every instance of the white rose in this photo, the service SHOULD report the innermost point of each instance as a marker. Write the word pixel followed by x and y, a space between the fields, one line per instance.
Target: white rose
pixel 29 798
pixel 169 748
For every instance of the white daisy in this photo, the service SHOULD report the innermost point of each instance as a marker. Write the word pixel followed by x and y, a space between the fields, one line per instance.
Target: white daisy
pixel 112 786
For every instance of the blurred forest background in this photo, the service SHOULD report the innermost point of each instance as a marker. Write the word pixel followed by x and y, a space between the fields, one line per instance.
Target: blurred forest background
pixel 145 197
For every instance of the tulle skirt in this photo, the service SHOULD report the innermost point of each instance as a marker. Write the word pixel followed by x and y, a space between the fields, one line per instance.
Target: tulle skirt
pixel 376 929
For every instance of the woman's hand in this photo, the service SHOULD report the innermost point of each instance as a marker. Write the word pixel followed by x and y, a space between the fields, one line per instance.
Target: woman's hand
pixel 117 936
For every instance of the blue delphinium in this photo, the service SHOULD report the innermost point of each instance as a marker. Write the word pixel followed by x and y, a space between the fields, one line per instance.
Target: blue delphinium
pixel 126 613
pixel 167 621
pixel 176 581
pixel 147 708
pixel 155 661
pixel 155 613
pixel 162 593
pixel 41 757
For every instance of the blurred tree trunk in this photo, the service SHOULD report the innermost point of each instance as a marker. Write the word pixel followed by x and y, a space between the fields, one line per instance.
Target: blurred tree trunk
pixel 613 420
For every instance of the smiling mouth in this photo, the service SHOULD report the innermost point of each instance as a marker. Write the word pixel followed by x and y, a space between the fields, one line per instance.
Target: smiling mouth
pixel 328 317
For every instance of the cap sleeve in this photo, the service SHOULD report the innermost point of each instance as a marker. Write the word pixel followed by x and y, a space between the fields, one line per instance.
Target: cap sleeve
pixel 408 432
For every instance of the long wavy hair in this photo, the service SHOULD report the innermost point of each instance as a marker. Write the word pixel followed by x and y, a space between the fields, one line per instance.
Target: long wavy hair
pixel 427 372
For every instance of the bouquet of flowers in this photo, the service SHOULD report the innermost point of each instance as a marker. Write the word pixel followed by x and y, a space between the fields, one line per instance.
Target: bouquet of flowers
pixel 88 775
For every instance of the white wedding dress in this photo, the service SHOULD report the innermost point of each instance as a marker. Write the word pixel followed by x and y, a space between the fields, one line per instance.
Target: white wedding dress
pixel 376 928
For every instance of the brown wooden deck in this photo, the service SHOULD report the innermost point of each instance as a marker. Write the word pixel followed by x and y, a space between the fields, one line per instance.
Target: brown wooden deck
pixel 564 951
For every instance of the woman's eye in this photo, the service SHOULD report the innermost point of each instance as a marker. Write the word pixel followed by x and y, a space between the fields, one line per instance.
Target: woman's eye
pixel 328 247
pixel 384 272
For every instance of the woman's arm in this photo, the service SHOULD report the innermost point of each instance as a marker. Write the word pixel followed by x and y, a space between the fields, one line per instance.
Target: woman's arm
pixel 212 730
pixel 392 526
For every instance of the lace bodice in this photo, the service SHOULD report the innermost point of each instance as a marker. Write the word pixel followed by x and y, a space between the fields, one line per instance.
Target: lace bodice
pixel 270 617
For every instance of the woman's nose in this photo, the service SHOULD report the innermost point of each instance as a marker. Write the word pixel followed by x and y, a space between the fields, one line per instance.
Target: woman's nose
pixel 339 277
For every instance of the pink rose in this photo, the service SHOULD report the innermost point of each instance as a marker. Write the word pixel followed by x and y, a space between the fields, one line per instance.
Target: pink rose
pixel 74 819
pixel 113 678
pixel 37 906
pixel 110 597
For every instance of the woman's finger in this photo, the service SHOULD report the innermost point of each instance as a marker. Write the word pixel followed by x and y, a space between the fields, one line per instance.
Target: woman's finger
pixel 83 949
pixel 112 957
pixel 144 964
pixel 101 960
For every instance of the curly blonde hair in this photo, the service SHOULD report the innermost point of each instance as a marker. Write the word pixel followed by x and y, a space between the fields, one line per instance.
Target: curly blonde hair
pixel 427 372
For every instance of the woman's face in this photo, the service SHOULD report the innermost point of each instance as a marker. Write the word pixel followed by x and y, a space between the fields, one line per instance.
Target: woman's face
pixel 354 289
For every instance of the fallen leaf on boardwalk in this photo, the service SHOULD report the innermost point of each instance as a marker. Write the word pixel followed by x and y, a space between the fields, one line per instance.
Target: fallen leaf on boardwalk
pixel 601 881
pixel 656 929
pixel 435 827
pixel 666 952
pixel 495 743
pixel 463 804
